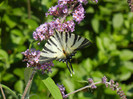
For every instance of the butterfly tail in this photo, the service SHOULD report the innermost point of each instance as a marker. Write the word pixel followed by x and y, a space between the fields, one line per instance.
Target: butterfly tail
pixel 71 66
pixel 68 67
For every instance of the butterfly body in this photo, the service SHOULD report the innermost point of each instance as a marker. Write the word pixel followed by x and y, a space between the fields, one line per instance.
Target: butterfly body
pixel 62 46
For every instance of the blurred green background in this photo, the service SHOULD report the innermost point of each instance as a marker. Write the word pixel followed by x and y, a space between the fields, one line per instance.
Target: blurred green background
pixel 108 24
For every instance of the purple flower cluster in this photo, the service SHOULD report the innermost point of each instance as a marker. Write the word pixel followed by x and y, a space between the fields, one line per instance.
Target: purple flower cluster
pixel 114 86
pixel 62 90
pixel 111 83
pixel 32 59
pixel 73 8
pixel 44 31
pixel 78 14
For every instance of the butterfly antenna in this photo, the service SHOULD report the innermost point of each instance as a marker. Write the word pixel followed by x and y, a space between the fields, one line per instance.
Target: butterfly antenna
pixel 68 67
pixel 71 66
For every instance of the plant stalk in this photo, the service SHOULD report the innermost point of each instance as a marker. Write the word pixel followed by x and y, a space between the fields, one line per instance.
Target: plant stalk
pixel 88 86
pixel 28 84
pixel 4 97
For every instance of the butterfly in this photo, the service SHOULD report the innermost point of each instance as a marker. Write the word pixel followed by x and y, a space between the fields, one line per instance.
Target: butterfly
pixel 62 46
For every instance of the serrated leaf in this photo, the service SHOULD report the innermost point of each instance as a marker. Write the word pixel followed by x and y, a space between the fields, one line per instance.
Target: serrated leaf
pixel 52 87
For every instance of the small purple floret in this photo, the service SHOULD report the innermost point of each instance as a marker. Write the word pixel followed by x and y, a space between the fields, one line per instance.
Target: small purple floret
pixel 62 90
pixel 104 80
pixel 90 80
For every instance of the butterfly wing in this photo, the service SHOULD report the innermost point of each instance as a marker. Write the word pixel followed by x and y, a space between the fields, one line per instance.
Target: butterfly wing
pixel 51 50
pixel 61 45
pixel 73 42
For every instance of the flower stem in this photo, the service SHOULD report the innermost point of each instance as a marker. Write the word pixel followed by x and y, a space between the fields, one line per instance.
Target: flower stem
pixel 28 84
pixel 88 86
pixel 4 97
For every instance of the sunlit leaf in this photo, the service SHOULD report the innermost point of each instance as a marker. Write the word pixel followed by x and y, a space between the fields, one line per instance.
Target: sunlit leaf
pixel 19 72
pixel 117 20
pixel 19 86
pixel 52 87
pixel 126 55
pixel 95 25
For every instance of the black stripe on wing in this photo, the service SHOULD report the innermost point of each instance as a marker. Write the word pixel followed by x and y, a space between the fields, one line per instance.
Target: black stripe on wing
pixel 45 59
pixel 45 48
pixel 69 34
pixel 84 43
pixel 57 34
pixel 75 39
pixel 54 44
pixel 66 37
pixel 79 38
pixel 48 43
pixel 44 51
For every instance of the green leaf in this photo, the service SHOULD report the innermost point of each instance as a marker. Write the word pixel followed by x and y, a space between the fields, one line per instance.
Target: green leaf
pixel 87 64
pixel 11 91
pixel 126 55
pixel 124 76
pixel 19 72
pixel 99 44
pixel 8 77
pixel 95 25
pixel 18 11
pixel 90 10
pixel 4 58
pixel 52 87
pixel 128 65
pixel 17 36
pixel 32 24
pixel 27 73
pixel 108 44
pixel 19 86
pixel 117 20
pixel 9 21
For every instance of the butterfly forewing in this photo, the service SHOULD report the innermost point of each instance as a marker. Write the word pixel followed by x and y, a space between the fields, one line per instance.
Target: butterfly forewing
pixel 74 42
pixel 51 50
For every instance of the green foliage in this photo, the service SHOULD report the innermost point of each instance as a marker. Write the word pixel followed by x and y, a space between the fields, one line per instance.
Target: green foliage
pixel 108 24
pixel 50 84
